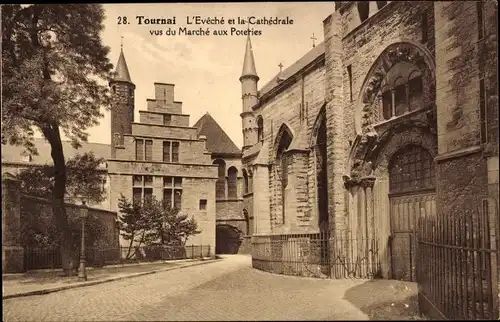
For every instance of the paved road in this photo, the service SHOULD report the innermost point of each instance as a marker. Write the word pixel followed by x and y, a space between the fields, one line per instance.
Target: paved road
pixel 224 290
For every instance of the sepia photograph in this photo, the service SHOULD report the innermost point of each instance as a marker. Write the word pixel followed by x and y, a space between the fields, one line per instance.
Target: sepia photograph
pixel 250 161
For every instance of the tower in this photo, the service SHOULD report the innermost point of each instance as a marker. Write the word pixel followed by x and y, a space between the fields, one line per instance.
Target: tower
pixel 249 97
pixel 122 104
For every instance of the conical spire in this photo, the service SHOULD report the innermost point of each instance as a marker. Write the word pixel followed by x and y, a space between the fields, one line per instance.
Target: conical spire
pixel 121 73
pixel 249 63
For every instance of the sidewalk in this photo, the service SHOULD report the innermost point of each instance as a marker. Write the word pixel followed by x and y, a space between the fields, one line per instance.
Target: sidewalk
pixel 44 282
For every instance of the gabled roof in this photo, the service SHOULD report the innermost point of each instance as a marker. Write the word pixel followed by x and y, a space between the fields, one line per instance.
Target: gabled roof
pixel 11 153
pixel 218 142
pixel 294 68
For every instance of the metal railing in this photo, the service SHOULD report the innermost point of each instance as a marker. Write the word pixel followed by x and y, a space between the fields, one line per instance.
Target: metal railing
pixel 50 258
pixel 457 265
pixel 317 255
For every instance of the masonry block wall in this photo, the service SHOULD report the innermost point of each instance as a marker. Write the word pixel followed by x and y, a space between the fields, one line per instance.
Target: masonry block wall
pixel 163 121
pixel 295 105
pixel 464 93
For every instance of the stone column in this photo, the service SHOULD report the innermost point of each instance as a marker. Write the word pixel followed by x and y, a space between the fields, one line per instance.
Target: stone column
pixel 368 183
pixel 12 251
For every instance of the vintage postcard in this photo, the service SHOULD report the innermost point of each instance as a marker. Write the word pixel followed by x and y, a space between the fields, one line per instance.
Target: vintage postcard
pixel 250 161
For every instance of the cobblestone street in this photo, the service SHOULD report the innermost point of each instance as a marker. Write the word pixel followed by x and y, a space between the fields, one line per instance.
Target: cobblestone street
pixel 224 290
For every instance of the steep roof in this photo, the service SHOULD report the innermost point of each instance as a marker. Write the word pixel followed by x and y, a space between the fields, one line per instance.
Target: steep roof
pixel 294 68
pixel 249 61
pixel 218 142
pixel 121 73
pixel 11 153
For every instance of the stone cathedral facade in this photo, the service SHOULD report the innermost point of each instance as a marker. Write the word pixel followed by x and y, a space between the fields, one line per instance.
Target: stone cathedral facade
pixel 393 117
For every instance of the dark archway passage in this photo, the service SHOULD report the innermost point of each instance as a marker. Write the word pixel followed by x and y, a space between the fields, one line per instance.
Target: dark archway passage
pixel 227 240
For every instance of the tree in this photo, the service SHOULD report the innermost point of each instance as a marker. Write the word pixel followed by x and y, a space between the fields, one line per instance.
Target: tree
pixel 153 222
pixel 132 223
pixel 53 59
pixel 84 179
pixel 167 225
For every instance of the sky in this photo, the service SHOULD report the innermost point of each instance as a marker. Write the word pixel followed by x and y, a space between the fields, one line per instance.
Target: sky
pixel 206 69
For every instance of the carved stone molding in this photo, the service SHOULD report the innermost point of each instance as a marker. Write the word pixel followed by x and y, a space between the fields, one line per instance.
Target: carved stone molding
pixel 365 182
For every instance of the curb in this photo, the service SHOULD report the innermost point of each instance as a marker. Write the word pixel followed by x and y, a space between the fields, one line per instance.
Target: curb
pixel 111 279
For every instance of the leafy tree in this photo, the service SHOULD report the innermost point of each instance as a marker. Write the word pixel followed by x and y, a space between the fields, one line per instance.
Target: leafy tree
pixel 53 58
pixel 167 225
pixel 83 180
pixel 153 222
pixel 132 223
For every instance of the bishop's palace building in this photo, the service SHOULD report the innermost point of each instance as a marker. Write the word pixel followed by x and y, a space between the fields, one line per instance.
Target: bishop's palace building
pixel 357 160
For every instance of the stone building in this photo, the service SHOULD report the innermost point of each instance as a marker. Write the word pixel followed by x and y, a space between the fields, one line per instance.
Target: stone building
pixel 392 118
pixel 233 222
pixel 161 155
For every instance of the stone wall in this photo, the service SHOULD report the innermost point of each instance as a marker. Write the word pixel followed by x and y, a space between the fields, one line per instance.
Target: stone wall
pixel 15 211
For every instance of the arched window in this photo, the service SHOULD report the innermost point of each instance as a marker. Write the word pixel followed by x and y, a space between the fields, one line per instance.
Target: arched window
pixel 411 169
pixel 232 178
pixel 245 181
pixel 220 185
pixel 415 89
pixel 321 175
pixel 386 102
pixel 283 163
pixel 260 128
pixel 250 181
pixel 400 105
pixel 363 10
pixel 401 90
pixel 248 231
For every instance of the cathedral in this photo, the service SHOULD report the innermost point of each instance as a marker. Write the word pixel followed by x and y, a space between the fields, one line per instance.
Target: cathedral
pixel 391 120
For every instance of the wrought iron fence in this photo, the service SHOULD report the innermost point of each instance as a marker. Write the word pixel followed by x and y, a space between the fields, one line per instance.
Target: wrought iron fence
pixel 316 255
pixel 50 258
pixel 457 265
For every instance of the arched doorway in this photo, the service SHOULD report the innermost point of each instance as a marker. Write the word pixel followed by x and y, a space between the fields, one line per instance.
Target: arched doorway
pixel 412 196
pixel 227 239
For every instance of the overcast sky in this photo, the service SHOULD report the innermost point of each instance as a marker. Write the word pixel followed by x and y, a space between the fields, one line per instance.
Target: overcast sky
pixel 205 70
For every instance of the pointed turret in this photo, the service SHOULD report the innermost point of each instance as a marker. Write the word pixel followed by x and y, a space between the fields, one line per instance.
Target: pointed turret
pixel 121 73
pixel 249 62
pixel 122 105
pixel 249 96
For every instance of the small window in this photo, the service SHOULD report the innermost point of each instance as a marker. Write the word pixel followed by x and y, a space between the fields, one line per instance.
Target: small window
pixel 425 28
pixel 167 119
pixel 203 204
pixel 387 104
pixel 149 150
pixel 482 111
pixel 480 19
pixel 175 151
pixel 131 92
pixel 349 72
pixel 363 10
pixel 114 89
pixel 139 150
pixel 381 4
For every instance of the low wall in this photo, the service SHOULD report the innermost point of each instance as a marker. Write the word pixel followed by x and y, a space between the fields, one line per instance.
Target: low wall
pixel 24 216
pixel 316 255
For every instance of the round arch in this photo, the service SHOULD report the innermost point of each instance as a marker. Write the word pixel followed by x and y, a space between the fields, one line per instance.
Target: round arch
pixel 227 239
pixel 394 52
